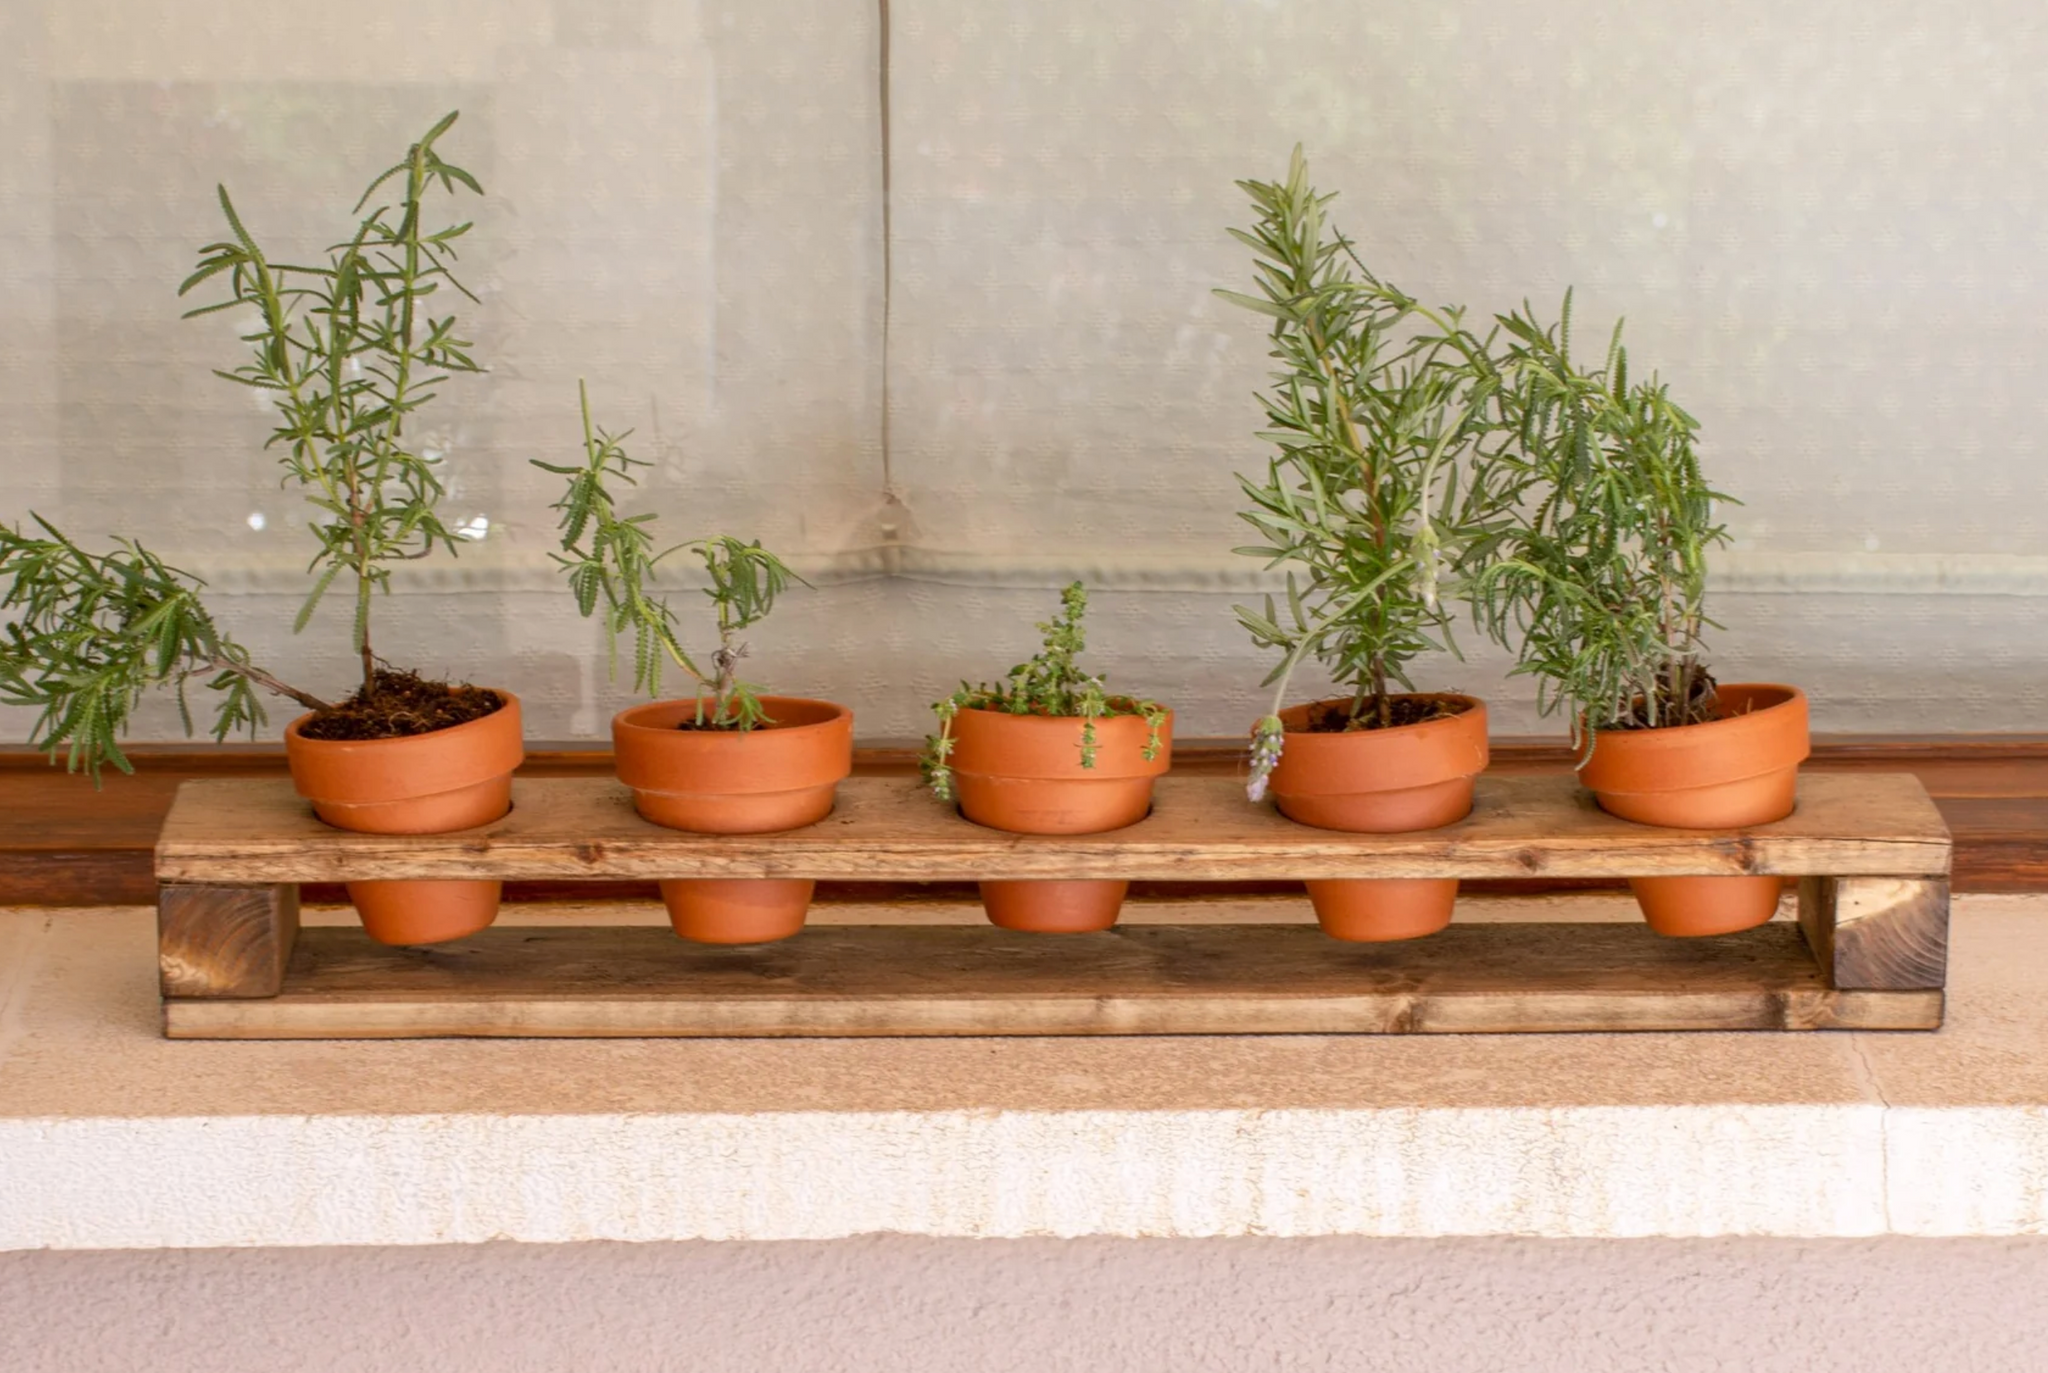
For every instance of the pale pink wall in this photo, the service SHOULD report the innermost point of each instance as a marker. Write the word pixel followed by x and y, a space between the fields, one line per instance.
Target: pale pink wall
pixel 1104 1306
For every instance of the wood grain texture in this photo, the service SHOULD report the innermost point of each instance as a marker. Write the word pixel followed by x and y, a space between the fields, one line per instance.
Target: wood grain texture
pixel 1157 979
pixel 64 844
pixel 1201 828
pixel 225 941
pixel 1886 933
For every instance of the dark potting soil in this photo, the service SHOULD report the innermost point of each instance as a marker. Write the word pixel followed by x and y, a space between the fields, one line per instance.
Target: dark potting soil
pixel 399 705
pixel 1402 710
pixel 693 725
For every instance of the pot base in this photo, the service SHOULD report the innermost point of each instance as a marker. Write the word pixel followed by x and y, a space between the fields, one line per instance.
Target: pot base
pixel 423 911
pixel 1689 907
pixel 1053 907
pixel 1380 910
pixel 717 910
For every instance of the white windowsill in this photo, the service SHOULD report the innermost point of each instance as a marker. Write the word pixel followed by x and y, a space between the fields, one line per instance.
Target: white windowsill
pixel 111 1137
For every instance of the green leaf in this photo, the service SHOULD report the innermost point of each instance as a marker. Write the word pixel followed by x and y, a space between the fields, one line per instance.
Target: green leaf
pixel 1253 303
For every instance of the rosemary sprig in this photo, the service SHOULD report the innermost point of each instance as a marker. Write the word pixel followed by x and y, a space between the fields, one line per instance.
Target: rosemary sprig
pixel 348 350
pixel 89 634
pixel 1603 584
pixel 610 563
pixel 1384 494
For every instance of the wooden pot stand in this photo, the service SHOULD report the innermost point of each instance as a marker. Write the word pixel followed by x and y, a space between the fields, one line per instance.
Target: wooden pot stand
pixel 1868 953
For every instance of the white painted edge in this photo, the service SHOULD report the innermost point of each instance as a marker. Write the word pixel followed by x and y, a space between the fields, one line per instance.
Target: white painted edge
pixel 1576 1172
pixel 1735 572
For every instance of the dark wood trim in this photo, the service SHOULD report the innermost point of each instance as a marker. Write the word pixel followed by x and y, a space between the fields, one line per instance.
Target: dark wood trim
pixel 63 844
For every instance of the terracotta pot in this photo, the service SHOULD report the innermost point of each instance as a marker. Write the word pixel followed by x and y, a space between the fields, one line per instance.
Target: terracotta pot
pixel 780 777
pixel 1023 774
pixel 1742 769
pixel 452 779
pixel 1381 781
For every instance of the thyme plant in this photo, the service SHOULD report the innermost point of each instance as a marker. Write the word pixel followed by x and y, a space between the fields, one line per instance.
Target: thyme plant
pixel 1383 492
pixel 611 565
pixel 1604 581
pixel 1052 684
pixel 347 351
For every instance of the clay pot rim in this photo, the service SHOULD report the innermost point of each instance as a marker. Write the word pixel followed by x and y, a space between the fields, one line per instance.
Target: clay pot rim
pixel 1035 720
pixel 335 747
pixel 1708 754
pixel 1427 753
pixel 631 721
pixel 657 759
pixel 413 767
pixel 1054 743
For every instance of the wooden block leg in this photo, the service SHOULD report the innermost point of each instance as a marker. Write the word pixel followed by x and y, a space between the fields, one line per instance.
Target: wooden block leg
pixel 1878 933
pixel 225 941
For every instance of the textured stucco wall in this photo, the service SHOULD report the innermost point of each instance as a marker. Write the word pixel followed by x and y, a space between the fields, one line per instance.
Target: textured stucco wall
pixel 1823 222
pixel 1532 1306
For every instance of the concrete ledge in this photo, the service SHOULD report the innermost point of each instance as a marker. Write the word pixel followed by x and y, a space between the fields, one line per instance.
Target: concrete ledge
pixel 113 1138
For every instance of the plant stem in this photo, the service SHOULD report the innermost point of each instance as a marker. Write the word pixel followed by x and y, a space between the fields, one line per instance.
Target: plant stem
pixel 726 661
pixel 269 683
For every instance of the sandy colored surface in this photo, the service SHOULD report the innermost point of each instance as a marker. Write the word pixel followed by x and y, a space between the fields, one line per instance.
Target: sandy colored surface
pixel 113 1137
pixel 899 1304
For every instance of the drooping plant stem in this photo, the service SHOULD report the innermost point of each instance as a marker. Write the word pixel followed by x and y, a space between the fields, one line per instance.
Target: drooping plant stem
pixel 89 634
pixel 269 683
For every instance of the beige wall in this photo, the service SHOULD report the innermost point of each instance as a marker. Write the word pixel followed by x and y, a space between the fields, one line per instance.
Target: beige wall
pixel 1089 1306
pixel 1823 222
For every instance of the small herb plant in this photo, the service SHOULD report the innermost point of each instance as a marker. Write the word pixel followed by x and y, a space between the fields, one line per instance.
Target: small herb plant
pixel 610 563
pixel 90 633
pixel 348 351
pixel 1604 581
pixel 1051 684
pixel 1384 493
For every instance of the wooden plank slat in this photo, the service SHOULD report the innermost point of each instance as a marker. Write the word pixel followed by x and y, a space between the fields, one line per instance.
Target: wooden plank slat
pixel 63 843
pixel 225 941
pixel 954 980
pixel 1201 828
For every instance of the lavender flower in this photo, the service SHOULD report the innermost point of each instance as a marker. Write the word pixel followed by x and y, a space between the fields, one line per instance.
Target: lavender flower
pixel 1267 738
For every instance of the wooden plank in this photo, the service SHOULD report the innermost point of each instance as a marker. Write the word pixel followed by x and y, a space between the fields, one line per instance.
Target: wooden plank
pixel 1879 933
pixel 64 844
pixel 225 941
pixel 955 980
pixel 1201 828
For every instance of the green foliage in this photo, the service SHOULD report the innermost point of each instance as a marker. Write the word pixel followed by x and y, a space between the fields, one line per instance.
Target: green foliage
pixel 1383 495
pixel 89 634
pixel 349 351
pixel 610 563
pixel 1051 684
pixel 1604 580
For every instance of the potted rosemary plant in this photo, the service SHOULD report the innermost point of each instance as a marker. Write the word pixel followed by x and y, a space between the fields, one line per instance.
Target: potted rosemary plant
pixel 348 351
pixel 1603 587
pixel 725 760
pixel 1050 751
pixel 1382 495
